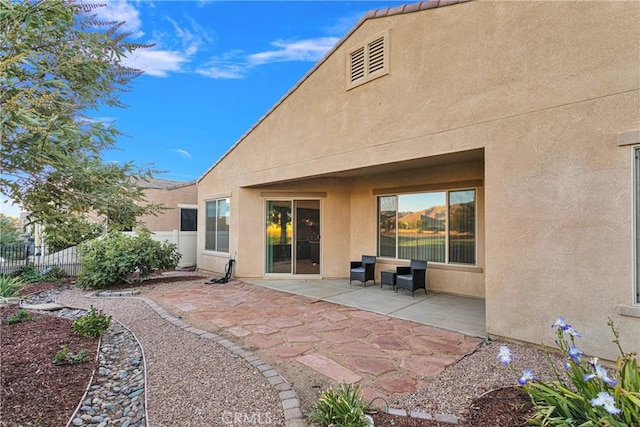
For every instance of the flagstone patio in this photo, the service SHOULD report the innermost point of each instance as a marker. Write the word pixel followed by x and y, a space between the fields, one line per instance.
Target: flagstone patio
pixel 384 354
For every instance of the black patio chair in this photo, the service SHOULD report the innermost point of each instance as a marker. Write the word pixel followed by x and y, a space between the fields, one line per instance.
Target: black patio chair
pixel 363 270
pixel 413 277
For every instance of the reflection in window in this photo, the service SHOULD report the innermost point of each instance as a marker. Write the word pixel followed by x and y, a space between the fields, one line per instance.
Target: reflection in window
pixel 462 227
pixel 422 226
pixel 436 227
pixel 387 222
pixel 217 225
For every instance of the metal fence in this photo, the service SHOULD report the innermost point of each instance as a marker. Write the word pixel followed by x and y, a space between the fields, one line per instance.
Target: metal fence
pixel 17 256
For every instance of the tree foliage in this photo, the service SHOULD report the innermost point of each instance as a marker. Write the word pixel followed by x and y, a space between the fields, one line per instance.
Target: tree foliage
pixel 58 63
pixel 8 231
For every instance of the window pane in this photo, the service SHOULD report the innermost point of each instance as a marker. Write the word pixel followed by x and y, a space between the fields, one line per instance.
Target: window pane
pixel 279 237
pixel 422 226
pixel 188 219
pixel 387 226
pixel 210 226
pixel 223 226
pixel 462 227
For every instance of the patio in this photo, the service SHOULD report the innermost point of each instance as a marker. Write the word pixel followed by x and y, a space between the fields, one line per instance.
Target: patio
pixel 454 313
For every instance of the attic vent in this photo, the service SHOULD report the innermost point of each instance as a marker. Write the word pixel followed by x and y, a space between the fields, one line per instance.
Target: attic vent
pixel 376 55
pixel 368 61
pixel 357 64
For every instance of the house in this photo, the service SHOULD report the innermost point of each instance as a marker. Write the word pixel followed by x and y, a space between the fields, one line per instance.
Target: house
pixel 514 124
pixel 178 222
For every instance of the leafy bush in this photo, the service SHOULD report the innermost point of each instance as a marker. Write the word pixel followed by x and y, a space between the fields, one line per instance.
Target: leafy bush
pixel 340 408
pixel 10 286
pixel 28 273
pixel 118 258
pixel 65 357
pixel 53 274
pixel 591 397
pixel 92 324
pixel 19 316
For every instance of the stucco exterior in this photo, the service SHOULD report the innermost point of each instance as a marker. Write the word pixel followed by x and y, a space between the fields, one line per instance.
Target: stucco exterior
pixel 172 195
pixel 522 101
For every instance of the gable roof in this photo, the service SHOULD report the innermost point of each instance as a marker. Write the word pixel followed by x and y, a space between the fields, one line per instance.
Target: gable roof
pixel 164 184
pixel 372 14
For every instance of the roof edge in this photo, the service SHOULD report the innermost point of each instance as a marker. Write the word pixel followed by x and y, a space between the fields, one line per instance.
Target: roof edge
pixel 372 14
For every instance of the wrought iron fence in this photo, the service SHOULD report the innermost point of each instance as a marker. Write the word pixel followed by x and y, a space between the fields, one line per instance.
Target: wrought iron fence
pixel 17 256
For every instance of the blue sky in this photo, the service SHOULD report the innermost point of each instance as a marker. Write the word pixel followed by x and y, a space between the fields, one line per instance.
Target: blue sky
pixel 215 69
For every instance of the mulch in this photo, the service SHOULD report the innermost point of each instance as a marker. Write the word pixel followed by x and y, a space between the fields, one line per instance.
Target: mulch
pixel 34 390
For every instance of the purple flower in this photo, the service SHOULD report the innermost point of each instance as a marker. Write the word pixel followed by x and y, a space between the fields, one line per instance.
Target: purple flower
pixel 527 376
pixel 572 332
pixel 575 354
pixel 606 400
pixel 505 355
pixel 560 323
pixel 602 374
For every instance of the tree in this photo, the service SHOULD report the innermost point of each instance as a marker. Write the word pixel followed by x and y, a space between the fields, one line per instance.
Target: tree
pixel 58 62
pixel 9 234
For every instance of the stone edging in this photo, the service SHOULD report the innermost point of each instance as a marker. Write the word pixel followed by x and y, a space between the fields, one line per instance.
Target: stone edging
pixel 288 397
pixel 144 369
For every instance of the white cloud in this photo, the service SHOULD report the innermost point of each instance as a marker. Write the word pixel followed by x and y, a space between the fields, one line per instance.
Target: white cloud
pixel 156 62
pixel 224 72
pixel 302 50
pixel 120 11
pixel 183 153
pixel 107 121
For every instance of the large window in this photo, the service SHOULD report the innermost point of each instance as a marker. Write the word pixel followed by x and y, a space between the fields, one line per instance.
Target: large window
pixel 436 226
pixel 217 225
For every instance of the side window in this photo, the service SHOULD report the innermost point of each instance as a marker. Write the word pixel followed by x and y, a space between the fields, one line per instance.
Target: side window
pixel 188 219
pixel 217 225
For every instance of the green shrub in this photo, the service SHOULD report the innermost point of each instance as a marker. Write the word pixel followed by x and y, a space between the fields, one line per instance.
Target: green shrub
pixel 10 286
pixel 28 273
pixel 65 357
pixel 19 316
pixel 340 408
pixel 118 258
pixel 54 274
pixel 92 324
pixel 590 397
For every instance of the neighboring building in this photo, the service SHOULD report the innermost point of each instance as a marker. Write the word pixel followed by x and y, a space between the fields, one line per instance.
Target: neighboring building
pixel 178 222
pixel 497 140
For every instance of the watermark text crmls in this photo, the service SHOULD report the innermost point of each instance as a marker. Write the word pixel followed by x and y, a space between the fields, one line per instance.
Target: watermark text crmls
pixel 247 418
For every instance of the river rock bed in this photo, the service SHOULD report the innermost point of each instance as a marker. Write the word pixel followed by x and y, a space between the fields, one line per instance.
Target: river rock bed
pixel 116 395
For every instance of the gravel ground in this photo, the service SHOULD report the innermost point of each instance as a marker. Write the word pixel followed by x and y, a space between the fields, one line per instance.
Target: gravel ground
pixel 196 382
pixel 453 391
pixel 191 381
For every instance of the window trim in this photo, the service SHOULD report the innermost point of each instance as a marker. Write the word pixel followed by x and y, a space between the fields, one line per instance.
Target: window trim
pixel 366 48
pixel 189 207
pixel 446 264
pixel 635 232
pixel 216 251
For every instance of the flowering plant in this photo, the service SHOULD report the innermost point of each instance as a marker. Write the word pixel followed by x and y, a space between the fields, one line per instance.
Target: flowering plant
pixel 591 396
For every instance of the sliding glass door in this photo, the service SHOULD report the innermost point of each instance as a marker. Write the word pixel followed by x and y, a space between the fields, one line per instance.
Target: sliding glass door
pixel 292 237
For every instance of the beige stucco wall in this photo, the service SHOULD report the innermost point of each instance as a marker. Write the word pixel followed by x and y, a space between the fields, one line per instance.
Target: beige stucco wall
pixel 169 219
pixel 540 88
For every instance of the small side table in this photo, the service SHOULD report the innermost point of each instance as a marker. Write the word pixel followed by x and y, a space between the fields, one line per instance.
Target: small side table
pixel 388 277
